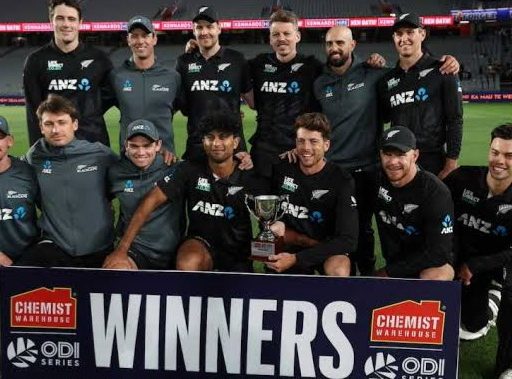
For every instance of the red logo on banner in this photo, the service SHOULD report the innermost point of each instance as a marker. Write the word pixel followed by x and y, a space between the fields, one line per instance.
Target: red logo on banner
pixel 44 308
pixel 409 322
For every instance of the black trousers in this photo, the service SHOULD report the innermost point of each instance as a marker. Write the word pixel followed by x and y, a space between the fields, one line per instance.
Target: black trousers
pixel 475 302
pixel 504 325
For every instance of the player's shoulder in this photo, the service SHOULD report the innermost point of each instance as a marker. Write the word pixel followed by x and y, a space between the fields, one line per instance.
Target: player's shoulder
pixel 431 185
pixel 336 171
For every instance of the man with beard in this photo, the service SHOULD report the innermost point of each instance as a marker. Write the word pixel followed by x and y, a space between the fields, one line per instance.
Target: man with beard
pixel 71 69
pixel 417 95
pixel 414 213
pixel 319 227
pixel 212 77
pixel 144 88
pixel 219 227
pixel 483 204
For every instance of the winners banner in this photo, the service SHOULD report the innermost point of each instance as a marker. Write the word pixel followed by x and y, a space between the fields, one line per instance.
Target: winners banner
pixel 74 323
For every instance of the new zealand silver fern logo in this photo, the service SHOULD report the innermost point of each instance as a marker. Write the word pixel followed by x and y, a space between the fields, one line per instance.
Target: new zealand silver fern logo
pixel 22 352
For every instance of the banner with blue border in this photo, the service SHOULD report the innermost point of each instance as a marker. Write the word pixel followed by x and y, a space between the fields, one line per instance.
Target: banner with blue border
pixel 78 323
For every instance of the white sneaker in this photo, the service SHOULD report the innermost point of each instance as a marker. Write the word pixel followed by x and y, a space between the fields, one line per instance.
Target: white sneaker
pixel 507 374
pixel 466 335
pixel 494 305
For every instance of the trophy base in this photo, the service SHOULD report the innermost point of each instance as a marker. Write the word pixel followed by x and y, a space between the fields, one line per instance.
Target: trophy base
pixel 260 251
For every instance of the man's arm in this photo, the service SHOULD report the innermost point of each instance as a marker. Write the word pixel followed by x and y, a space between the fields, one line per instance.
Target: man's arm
pixel 249 98
pixel 33 97
pixel 151 201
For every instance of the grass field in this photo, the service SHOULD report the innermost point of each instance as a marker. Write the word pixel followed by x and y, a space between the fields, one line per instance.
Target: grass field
pixel 476 358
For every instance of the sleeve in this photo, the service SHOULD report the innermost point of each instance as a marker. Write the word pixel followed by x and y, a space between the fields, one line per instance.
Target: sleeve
pixel 489 263
pixel 245 79
pixel 181 97
pixel 452 109
pixel 33 97
pixel 437 221
pixel 108 95
pixel 175 182
pixel 344 241
pixel 177 102
pixel 383 102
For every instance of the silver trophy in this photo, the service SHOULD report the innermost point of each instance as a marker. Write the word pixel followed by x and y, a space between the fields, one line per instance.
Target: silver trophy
pixel 266 209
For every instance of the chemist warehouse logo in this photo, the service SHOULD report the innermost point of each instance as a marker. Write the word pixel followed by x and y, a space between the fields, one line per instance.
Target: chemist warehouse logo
pixel 409 322
pixel 44 308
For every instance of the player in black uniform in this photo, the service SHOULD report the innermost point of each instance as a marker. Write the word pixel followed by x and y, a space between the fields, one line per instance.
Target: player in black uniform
pixel 483 201
pixel 212 76
pixel 416 94
pixel 283 89
pixel 414 213
pixel 71 69
pixel 219 231
pixel 18 197
pixel 320 222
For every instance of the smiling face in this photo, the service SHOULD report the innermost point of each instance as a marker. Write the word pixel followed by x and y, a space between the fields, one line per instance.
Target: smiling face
pixel 339 46
pixel 284 38
pixel 220 146
pixel 408 41
pixel 142 151
pixel 66 24
pixel 500 159
pixel 141 43
pixel 311 148
pixel 207 34
pixel 400 167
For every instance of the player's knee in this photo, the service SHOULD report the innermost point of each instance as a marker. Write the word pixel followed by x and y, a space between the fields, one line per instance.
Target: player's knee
pixel 337 265
pixel 444 272
pixel 193 255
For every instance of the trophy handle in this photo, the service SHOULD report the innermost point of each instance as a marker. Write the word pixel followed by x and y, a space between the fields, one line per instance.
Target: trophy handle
pixel 248 198
pixel 282 198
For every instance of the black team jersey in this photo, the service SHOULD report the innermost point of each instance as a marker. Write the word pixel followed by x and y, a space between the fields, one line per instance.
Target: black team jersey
pixel 216 209
pixel 282 91
pixel 415 225
pixel 321 206
pixel 483 224
pixel 427 102
pixel 80 76
pixel 208 84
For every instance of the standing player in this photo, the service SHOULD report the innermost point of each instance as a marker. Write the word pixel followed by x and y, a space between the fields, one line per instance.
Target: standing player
pixel 417 95
pixel 144 88
pixel 320 222
pixel 219 230
pixel 76 215
pixel 283 89
pixel 130 179
pixel 212 77
pixel 18 196
pixel 71 69
pixel 414 213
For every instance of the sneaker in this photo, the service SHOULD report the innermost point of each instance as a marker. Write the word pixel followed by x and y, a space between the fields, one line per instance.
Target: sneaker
pixel 507 374
pixel 494 305
pixel 466 335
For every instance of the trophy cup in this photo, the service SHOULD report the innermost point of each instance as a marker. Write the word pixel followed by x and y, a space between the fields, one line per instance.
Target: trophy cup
pixel 266 209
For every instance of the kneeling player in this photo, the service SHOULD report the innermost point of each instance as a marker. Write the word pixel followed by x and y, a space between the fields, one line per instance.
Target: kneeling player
pixel 414 213
pixel 319 227
pixel 219 230
pixel 130 179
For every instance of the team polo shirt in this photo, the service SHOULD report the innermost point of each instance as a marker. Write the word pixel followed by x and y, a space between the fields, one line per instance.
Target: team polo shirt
pixel 207 82
pixel 483 226
pixel 282 91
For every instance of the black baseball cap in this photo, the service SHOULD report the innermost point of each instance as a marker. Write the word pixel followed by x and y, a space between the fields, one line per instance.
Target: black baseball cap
pixel 140 22
pixel 4 126
pixel 206 13
pixel 144 128
pixel 407 20
pixel 398 138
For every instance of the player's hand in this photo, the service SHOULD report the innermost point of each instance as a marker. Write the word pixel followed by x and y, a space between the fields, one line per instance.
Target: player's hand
pixel 381 273
pixel 5 260
pixel 450 65
pixel 281 262
pixel 465 274
pixel 169 157
pixel 191 46
pixel 376 61
pixel 291 155
pixel 278 228
pixel 117 261
pixel 449 166
pixel 245 160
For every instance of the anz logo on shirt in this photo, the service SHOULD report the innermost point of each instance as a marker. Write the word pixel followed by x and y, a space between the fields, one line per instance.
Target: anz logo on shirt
pixel 298 211
pixel 280 87
pixel 83 84
pixel 17 214
pixel 211 85
pixel 483 226
pixel 447 224
pixel 128 186
pixel 408 97
pixel 47 167
pixel 410 230
pixel 212 209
